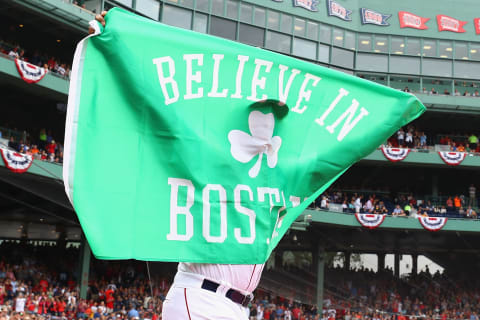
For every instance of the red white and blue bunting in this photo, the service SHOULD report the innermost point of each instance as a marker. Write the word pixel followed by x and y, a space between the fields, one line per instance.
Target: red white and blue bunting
pixel 15 161
pixel 371 221
pixel 452 158
pixel 395 154
pixel 432 223
pixel 29 72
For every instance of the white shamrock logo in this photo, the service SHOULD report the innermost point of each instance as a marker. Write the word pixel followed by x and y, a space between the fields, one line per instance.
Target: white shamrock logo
pixel 245 146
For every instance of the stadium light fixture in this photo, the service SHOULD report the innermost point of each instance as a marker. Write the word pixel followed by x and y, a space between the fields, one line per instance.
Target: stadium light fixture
pixel 465 58
pixel 449 49
pixel 427 47
pixel 398 52
pixel 339 38
pixel 376 50
pixel 380 43
pixel 443 56
pixel 298 28
pixel 473 51
pixel 365 42
pixel 20 25
pixel 58 40
pixel 402 45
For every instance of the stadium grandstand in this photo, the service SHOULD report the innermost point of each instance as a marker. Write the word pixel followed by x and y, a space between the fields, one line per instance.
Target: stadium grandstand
pixel 396 237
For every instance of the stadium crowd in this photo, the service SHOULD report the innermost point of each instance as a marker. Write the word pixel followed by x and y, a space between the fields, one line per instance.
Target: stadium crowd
pixel 445 92
pixel 364 294
pixel 458 206
pixel 50 63
pixel 44 147
pixel 413 138
pixel 36 285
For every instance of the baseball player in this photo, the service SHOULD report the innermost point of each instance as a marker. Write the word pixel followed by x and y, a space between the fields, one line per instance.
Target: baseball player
pixel 208 291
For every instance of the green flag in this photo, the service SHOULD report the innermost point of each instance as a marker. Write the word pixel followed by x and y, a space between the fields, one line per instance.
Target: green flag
pixel 185 147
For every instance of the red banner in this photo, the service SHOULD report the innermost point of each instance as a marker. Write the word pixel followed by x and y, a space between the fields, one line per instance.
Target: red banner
pixel 476 21
pixel 410 20
pixel 446 23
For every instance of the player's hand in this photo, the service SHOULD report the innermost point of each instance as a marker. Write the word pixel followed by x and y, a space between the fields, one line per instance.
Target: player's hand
pixel 99 18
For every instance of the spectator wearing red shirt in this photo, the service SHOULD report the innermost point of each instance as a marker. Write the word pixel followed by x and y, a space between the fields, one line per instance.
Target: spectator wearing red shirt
pixel 31 303
pixel 61 305
pixel 296 313
pixel 266 314
pixel 44 285
pixel 51 63
pixel 449 203
pixel 51 147
pixel 42 305
pixel 81 309
pixel 109 299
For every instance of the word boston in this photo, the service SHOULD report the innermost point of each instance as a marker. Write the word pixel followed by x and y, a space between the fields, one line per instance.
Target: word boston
pixel 227 144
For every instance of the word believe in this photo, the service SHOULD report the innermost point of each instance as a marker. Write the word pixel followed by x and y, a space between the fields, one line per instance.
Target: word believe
pixel 167 78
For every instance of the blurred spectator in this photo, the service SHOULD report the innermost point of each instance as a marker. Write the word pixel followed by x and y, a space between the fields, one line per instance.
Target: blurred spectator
pixel 401 137
pixel 14 53
pixel 472 191
pixel 50 151
pixel 358 203
pixel 473 141
pixel 457 202
pixel 53 65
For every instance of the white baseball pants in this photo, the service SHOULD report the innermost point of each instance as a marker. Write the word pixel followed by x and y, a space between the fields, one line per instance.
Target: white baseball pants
pixel 186 300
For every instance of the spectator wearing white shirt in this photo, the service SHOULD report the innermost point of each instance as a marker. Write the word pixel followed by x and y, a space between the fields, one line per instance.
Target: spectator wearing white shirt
pixel 13 53
pixel 358 204
pixel 61 70
pixel 259 312
pixel 101 308
pixel 409 139
pixel 324 203
pixel 20 303
pixel 368 205
pixel 400 137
